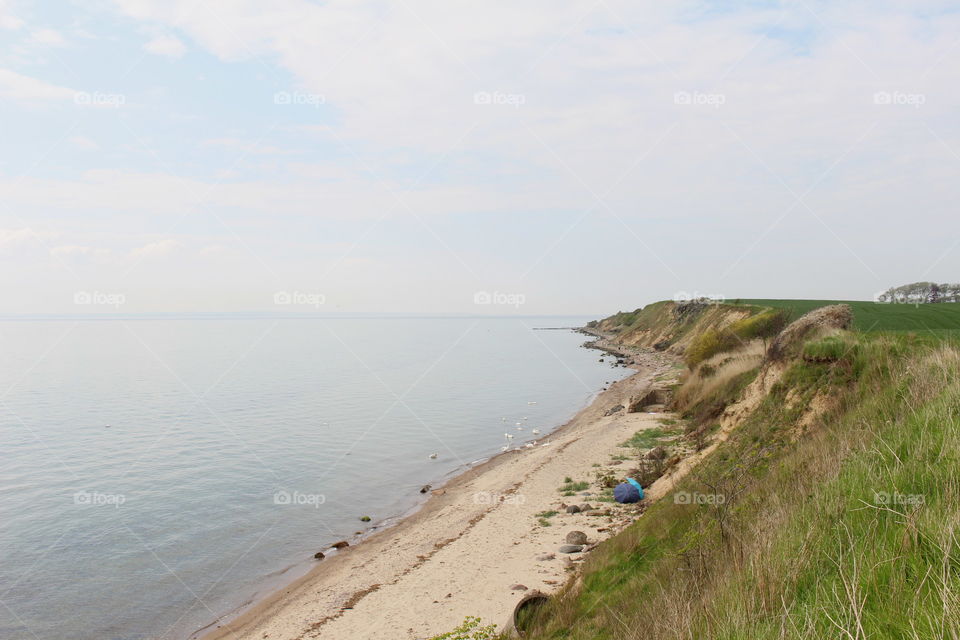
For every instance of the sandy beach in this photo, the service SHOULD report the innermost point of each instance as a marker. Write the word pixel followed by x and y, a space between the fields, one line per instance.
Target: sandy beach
pixel 472 543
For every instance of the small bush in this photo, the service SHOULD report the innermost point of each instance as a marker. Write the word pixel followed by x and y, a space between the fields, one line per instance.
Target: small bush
pixel 606 479
pixel 762 325
pixel 470 630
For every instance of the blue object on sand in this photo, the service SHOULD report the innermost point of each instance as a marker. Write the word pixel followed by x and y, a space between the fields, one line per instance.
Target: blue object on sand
pixel 627 492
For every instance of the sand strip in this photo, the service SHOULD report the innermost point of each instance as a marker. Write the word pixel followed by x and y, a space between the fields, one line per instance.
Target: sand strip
pixel 463 551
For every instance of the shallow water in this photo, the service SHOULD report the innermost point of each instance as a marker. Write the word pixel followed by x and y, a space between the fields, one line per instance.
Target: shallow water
pixel 159 472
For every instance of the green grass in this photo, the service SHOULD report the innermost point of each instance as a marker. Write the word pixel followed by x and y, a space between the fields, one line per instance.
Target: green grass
pixel 848 527
pixel 650 438
pixel 872 316
pixel 570 487
pixel 543 518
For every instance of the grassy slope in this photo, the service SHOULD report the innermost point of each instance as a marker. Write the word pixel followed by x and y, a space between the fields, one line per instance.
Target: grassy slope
pixel 871 316
pixel 806 545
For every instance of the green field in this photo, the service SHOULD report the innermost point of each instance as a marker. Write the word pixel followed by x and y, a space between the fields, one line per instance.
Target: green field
pixel 872 316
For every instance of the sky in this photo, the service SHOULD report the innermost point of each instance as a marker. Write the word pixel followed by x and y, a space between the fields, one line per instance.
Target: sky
pixel 536 157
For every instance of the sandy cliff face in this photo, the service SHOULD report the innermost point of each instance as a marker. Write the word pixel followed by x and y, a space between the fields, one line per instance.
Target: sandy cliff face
pixel 670 326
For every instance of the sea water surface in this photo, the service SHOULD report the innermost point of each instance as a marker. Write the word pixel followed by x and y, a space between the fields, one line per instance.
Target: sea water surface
pixel 158 472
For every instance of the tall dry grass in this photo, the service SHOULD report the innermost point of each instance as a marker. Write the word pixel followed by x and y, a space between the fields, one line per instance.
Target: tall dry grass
pixel 847 532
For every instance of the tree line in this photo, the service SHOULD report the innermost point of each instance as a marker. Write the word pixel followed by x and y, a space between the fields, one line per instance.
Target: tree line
pixel 921 293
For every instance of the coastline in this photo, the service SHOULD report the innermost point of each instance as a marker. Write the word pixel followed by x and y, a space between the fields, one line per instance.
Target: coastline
pixel 472 539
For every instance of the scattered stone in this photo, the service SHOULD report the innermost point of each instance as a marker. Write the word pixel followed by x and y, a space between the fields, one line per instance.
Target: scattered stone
pixel 319 555
pixel 585 507
pixel 616 462
pixel 573 509
pixel 576 537
pixel 586 493
pixel 518 587
pixel 571 548
pixel 343 544
pixel 425 488
pixel 365 519
pixel 612 410
pixel 545 556
pixel 595 512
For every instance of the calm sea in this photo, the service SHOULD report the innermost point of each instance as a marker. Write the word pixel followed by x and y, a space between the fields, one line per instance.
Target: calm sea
pixel 160 471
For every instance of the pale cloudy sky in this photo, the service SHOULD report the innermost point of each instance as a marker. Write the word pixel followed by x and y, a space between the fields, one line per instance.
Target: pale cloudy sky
pixel 405 155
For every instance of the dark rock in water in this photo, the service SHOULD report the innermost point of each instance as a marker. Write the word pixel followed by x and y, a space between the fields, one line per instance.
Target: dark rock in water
pixel 319 555
pixel 576 537
pixel 518 587
pixel 425 488
pixel 573 509
pixel 365 519
pixel 343 544
pixel 571 548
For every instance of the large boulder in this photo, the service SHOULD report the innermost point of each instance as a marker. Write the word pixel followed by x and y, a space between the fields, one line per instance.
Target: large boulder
pixel 576 537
